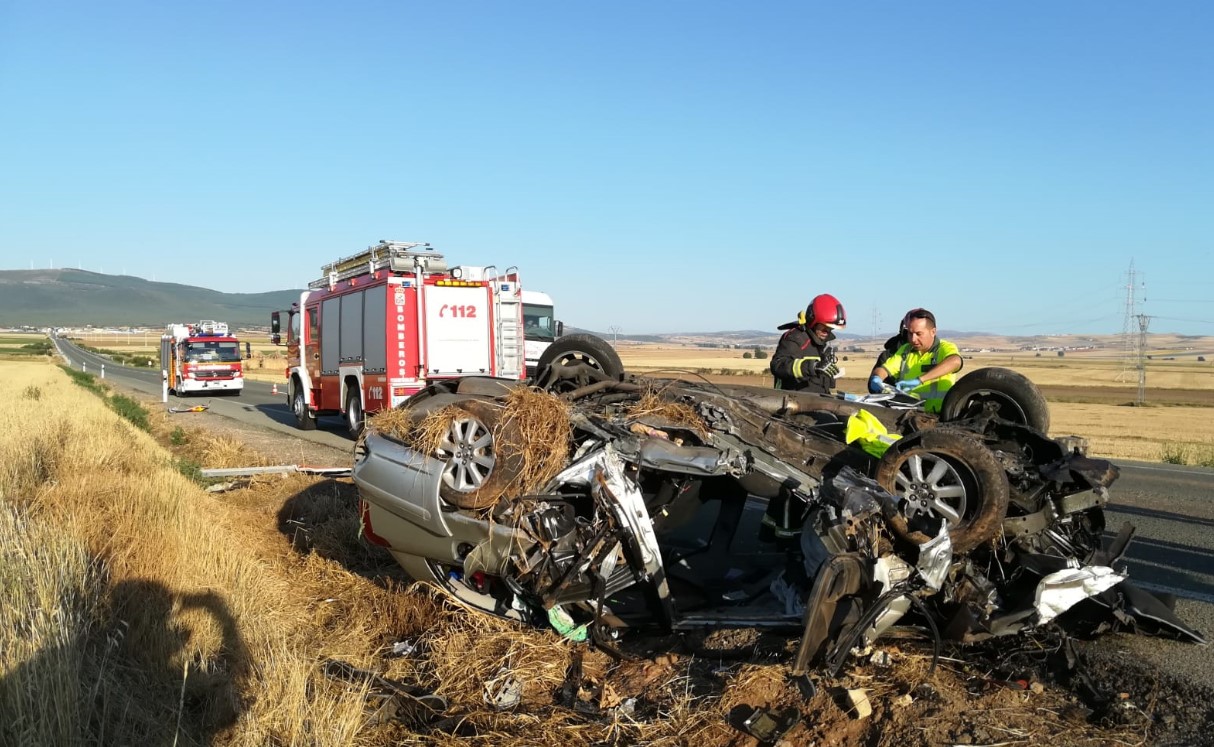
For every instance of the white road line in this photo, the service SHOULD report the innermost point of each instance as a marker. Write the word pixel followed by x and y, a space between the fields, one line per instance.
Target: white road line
pixel 1199 596
pixel 1169 470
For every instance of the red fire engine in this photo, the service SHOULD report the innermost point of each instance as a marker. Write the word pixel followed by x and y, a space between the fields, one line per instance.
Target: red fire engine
pixel 383 323
pixel 201 357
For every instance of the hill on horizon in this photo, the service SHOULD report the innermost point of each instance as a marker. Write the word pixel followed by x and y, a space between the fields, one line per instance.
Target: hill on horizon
pixel 65 297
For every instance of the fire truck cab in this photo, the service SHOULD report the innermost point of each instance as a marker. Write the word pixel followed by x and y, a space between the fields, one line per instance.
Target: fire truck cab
pixel 201 357
pixel 380 325
pixel 540 327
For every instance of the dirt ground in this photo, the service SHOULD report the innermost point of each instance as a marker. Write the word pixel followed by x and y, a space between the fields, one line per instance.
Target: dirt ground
pixel 700 689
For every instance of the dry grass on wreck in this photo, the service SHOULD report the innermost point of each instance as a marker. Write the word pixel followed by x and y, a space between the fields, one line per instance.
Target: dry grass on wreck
pixel 655 409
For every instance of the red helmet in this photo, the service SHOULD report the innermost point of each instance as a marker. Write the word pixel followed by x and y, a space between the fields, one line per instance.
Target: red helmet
pixel 825 309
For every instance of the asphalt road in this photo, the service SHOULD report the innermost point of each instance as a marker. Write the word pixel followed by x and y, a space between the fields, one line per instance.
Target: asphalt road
pixel 255 405
pixel 1172 508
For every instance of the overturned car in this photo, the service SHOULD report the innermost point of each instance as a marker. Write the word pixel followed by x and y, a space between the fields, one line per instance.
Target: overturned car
pixel 600 503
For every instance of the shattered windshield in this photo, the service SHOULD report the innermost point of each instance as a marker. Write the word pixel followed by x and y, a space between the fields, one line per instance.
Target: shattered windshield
pixel 212 351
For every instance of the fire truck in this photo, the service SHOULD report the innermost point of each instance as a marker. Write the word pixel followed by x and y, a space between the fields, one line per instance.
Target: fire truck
pixel 381 324
pixel 201 357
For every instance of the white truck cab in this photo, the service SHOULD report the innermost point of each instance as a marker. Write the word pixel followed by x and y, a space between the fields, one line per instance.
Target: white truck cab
pixel 540 327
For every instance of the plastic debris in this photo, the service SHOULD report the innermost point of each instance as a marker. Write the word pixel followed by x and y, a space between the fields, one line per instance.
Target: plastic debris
pixel 564 624
pixel 1061 590
pixel 504 691
pixel 861 708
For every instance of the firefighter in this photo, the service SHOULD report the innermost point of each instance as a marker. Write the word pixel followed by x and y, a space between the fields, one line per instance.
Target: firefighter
pixel 804 360
pixel 925 366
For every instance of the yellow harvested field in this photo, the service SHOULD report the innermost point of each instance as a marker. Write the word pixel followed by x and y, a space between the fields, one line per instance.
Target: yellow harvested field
pixel 1119 432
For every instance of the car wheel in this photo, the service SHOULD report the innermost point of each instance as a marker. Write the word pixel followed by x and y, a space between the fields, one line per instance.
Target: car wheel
pixel 577 360
pixel 947 475
pixel 299 407
pixel 477 470
pixel 354 413
pixel 1010 395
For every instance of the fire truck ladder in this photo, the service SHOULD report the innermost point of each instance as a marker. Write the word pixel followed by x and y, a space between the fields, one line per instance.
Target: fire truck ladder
pixel 508 312
pixel 397 256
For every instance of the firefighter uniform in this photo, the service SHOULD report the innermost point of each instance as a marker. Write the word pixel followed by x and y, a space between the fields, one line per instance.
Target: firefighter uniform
pixel 796 362
pixel 905 364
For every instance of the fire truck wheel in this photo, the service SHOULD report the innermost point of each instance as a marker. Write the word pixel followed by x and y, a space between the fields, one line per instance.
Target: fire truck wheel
pixel 477 470
pixel 577 360
pixel 944 474
pixel 354 413
pixel 299 407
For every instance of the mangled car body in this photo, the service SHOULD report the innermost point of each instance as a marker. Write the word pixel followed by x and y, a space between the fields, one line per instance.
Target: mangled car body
pixel 637 503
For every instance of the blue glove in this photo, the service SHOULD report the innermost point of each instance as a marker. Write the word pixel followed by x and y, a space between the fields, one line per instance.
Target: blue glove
pixel 909 384
pixel 876 384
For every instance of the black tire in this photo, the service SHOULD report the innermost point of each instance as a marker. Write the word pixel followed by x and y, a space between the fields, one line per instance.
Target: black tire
pixel 943 473
pixel 477 470
pixel 299 408
pixel 355 419
pixel 578 360
pixel 1012 396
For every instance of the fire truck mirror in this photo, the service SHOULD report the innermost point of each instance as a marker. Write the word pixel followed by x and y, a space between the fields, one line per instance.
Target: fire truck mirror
pixel 275 326
pixel 560 329
pixel 248 350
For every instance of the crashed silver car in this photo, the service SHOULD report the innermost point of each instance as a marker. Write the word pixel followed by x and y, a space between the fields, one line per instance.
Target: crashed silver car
pixel 598 503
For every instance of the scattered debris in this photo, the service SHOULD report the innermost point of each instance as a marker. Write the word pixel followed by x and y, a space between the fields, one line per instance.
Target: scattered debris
pixel 195 408
pixel 860 707
pixel 768 726
pixel 504 691
pixel 392 699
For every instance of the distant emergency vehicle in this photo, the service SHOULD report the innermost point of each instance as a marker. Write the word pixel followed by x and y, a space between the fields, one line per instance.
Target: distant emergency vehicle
pixel 201 357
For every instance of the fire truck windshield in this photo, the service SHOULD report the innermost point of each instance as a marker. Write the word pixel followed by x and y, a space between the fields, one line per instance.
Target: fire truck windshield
pixel 538 323
pixel 212 351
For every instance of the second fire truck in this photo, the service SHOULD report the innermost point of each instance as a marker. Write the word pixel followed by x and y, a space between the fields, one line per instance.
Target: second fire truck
pixel 201 357
pixel 381 324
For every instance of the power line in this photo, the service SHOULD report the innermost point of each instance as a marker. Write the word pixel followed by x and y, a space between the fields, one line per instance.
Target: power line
pixel 1178 319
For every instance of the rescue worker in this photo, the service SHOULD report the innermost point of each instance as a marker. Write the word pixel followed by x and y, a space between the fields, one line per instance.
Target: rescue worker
pixel 924 366
pixel 804 360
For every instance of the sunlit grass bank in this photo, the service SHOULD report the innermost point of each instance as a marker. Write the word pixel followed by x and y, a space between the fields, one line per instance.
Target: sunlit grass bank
pixel 134 610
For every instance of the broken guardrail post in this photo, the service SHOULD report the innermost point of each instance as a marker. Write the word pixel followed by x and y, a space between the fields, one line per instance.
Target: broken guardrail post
pixel 164 385
pixel 103 370
pixel 302 469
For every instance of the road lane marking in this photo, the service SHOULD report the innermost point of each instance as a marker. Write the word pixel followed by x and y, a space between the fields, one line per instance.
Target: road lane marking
pixel 1199 596
pixel 1170 470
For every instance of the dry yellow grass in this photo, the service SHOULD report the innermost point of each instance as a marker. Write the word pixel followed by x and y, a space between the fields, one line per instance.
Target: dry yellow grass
pixel 143 592
pixel 141 610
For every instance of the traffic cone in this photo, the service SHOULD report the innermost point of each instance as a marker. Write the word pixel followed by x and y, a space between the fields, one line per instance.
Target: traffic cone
pixel 274 390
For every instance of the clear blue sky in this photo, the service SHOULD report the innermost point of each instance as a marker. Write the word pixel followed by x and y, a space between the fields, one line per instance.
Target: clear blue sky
pixel 657 166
